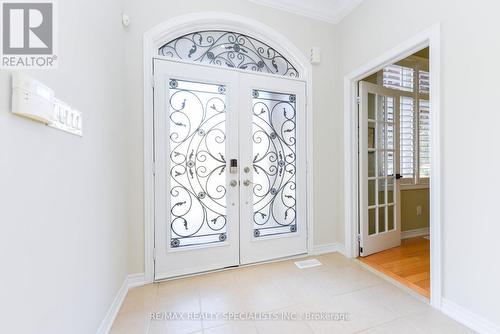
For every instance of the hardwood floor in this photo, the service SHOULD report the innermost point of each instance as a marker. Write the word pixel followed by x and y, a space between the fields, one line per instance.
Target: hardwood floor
pixel 409 264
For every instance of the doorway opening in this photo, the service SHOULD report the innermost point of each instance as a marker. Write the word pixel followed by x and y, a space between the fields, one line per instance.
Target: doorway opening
pixel 394 171
pixel 388 103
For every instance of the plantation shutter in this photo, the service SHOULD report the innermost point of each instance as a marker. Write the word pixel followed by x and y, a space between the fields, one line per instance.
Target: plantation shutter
pixel 398 77
pixel 407 137
pixel 424 139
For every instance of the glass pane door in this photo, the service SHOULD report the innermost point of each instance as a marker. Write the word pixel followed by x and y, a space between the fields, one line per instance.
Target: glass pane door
pixel 274 138
pixel 379 164
pixel 273 159
pixel 197 140
pixel 196 195
pixel 230 168
pixel 381 169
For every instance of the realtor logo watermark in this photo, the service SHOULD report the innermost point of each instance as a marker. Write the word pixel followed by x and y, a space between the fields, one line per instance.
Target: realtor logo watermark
pixel 28 34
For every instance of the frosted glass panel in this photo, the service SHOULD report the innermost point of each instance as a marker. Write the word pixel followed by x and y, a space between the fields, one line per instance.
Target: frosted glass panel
pixel 197 135
pixel 274 163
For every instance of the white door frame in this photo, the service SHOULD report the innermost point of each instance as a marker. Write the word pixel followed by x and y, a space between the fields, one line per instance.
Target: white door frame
pixel 429 37
pixel 181 25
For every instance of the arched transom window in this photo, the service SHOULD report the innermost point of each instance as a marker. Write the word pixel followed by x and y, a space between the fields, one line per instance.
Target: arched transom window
pixel 228 49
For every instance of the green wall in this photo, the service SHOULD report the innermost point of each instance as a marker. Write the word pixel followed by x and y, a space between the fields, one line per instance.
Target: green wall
pixel 410 200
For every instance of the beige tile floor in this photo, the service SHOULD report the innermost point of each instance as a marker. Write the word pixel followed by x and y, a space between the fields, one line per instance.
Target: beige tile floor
pixel 339 285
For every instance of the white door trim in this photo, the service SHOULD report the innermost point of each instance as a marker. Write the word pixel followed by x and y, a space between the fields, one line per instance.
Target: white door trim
pixel 178 26
pixel 429 37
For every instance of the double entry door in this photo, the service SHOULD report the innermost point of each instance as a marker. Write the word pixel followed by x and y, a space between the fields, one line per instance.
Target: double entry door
pixel 230 168
pixel 379 178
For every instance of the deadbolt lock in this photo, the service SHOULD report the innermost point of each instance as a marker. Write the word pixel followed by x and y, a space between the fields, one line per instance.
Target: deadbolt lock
pixel 233 166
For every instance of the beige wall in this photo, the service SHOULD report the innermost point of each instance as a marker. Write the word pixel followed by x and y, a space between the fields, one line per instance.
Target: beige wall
pixel 304 33
pixel 470 53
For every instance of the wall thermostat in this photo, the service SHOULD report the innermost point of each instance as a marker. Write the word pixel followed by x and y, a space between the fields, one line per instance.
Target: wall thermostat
pixel 32 99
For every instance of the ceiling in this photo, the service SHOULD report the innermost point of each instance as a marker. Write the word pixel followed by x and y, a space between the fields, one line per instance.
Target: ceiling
pixel 332 11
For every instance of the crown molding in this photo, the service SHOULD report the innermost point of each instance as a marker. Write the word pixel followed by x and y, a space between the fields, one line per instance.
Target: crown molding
pixel 302 8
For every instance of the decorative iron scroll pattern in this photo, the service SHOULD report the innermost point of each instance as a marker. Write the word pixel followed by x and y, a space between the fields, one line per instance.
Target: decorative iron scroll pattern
pixel 274 163
pixel 229 49
pixel 197 123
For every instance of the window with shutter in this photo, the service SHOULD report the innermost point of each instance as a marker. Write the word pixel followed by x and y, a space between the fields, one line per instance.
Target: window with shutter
pixel 398 77
pixel 414 119
pixel 423 82
pixel 406 137
pixel 424 139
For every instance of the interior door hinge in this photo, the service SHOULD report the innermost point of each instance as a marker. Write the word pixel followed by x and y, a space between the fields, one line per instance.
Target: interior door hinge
pixel 154 254
pixel 153 81
pixel 153 167
pixel 358 99
pixel 359 245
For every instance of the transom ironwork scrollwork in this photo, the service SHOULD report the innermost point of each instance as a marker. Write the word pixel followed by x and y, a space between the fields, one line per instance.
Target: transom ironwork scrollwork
pixel 229 49
pixel 197 122
pixel 274 163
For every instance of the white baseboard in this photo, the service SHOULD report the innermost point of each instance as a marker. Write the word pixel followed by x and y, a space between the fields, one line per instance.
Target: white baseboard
pixel 469 319
pixel 328 248
pixel 415 233
pixel 130 281
pixel 135 280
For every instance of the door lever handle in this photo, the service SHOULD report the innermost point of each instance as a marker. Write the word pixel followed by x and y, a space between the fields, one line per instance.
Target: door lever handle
pixel 398 176
pixel 246 183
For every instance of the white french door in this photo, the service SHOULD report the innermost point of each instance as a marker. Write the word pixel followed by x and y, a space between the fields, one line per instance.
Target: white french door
pixel 273 156
pixel 229 168
pixel 195 122
pixel 379 179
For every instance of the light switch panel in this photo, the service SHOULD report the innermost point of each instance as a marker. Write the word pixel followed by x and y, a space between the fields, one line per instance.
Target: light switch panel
pixel 66 118
pixel 315 55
